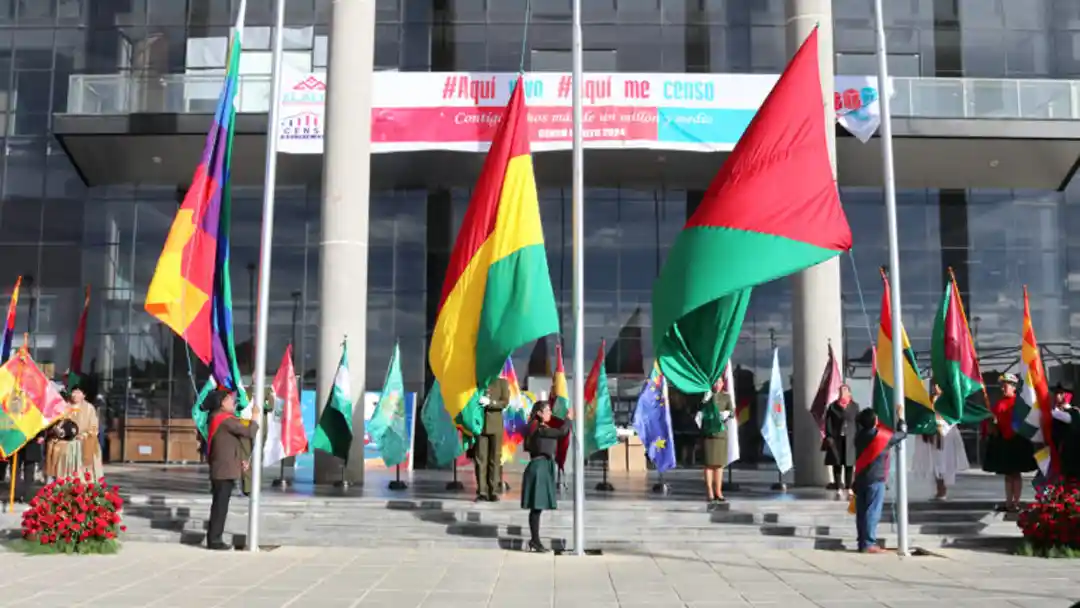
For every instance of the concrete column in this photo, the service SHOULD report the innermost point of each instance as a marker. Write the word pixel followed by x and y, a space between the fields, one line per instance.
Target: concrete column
pixel 816 309
pixel 343 255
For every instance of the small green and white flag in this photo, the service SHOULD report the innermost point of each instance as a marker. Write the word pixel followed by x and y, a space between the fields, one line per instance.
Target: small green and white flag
pixel 334 433
pixel 445 440
pixel 387 425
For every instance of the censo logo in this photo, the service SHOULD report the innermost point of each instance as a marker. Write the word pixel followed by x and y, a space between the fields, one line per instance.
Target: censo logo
pixel 305 125
pixel 855 103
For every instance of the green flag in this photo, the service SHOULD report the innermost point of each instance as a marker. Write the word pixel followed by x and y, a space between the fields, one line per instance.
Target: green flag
pixel 599 429
pixel 200 416
pixel 387 425
pixel 443 436
pixel 334 433
pixel 955 364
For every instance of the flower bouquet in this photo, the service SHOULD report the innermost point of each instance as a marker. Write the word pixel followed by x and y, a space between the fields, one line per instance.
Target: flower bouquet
pixel 1051 524
pixel 74 515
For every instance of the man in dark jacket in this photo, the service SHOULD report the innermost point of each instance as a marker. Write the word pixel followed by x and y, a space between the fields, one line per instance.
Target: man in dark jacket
pixel 227 462
pixel 872 446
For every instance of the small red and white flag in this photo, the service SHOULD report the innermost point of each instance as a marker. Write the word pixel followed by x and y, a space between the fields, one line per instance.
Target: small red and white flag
pixel 285 428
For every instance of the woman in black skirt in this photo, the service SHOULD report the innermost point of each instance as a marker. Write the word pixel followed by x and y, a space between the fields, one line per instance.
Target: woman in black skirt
pixel 538 483
pixel 1008 453
pixel 839 442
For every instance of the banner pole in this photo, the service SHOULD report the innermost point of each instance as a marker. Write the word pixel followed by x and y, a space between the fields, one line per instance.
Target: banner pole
pixel 265 250
pixel 578 200
pixel 894 276
pixel 11 489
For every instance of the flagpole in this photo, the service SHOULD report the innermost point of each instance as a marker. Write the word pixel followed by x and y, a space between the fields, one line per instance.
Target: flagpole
pixel 265 250
pixel 894 277
pixel 577 200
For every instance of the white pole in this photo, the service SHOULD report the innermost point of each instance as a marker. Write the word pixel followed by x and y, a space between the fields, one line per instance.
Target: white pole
pixel 894 277
pixel 578 200
pixel 265 250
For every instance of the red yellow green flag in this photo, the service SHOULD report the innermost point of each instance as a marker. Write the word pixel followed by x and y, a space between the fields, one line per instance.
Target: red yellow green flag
pixel 29 403
pixel 918 409
pixel 497 294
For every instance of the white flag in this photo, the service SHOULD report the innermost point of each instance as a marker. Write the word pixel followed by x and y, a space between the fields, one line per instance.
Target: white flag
pixel 733 422
pixel 274 449
pixel 774 422
pixel 858 107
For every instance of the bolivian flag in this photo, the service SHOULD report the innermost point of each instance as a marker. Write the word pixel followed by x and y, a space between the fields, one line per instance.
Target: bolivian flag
pixel 918 409
pixel 29 403
pixel 497 295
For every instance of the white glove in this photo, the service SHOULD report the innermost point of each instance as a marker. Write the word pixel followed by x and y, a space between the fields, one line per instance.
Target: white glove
pixel 485 400
pixel 725 415
pixel 697 419
pixel 707 397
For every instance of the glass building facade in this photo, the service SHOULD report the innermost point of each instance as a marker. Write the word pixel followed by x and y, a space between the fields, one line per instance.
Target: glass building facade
pixel 62 235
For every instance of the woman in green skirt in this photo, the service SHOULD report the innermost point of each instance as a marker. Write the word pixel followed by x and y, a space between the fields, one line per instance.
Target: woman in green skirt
pixel 715 413
pixel 538 483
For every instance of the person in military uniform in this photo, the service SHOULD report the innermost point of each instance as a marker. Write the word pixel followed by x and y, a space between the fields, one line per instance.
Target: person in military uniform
pixel 487 453
pixel 715 412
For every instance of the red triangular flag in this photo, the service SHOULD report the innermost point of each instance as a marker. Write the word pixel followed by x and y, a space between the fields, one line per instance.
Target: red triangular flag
pixel 293 438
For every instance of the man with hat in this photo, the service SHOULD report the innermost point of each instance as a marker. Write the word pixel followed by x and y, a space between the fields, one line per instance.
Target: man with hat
pixel 227 457
pixel 1008 453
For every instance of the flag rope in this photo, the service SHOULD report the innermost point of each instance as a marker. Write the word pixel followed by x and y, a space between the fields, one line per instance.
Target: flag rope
pixel 525 35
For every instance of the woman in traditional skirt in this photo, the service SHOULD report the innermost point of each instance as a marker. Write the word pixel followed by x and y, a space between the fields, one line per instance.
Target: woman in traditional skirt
pixel 839 441
pixel 1008 453
pixel 715 412
pixel 538 483
pixel 939 456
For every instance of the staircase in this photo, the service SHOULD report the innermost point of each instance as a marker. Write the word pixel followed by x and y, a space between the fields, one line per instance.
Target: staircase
pixel 609 525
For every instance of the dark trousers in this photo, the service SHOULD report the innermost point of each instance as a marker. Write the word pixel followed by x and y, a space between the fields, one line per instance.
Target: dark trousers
pixel 25 488
pixel 488 460
pixel 868 501
pixel 221 490
pixel 842 475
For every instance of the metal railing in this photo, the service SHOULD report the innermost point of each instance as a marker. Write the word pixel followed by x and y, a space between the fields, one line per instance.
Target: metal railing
pixel 111 94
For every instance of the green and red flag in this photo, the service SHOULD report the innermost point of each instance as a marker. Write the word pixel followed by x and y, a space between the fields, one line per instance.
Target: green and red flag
pixel 954 362
pixel 497 295
pixel 918 408
pixel 772 210
pixel 599 425
pixel 78 345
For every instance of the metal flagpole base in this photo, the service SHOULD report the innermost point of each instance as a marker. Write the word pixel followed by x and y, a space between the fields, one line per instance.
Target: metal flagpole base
pixel 730 485
pixel 605 486
pixel 779 487
pixel 397 484
pixel 282 484
pixel 661 488
pixel 343 484
pixel 455 485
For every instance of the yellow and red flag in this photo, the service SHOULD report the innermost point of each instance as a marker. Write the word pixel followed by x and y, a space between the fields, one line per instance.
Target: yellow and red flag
pixel 497 294
pixel 9 325
pixel 1032 415
pixel 29 403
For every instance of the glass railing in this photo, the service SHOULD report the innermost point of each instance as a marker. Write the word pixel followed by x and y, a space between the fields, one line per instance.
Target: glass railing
pixel 110 94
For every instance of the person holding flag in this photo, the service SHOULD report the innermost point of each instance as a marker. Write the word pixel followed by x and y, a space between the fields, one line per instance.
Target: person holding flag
pixel 538 492
pixel 872 444
pixel 1008 453
pixel 227 462
pixel 939 456
pixel 716 410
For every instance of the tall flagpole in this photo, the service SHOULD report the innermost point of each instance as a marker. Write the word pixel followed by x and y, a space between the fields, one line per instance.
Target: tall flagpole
pixel 578 200
pixel 894 277
pixel 265 249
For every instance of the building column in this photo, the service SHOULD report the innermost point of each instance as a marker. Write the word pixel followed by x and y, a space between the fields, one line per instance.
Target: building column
pixel 816 308
pixel 343 255
pixel 440 243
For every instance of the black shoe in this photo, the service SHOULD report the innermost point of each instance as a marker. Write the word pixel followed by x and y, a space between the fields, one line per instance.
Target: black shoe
pixel 536 546
pixel 481 498
pixel 493 498
pixel 219 547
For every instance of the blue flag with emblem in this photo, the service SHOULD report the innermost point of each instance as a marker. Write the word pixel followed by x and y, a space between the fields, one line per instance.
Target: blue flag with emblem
pixel 652 421
pixel 774 422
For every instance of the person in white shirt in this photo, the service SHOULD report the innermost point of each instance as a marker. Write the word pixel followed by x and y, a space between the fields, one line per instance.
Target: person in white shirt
pixel 940 456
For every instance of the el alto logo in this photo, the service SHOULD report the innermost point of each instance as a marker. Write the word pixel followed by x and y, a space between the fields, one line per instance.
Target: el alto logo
pixel 310 83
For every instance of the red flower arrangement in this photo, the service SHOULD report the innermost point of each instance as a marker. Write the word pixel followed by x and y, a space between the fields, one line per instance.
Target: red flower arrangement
pixel 1052 522
pixel 73 515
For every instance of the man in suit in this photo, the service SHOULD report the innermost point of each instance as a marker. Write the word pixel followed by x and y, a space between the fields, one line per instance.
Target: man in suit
pixel 487 453
pixel 227 459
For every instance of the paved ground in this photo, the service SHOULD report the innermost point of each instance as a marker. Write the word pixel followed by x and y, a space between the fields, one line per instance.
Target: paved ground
pixel 173 576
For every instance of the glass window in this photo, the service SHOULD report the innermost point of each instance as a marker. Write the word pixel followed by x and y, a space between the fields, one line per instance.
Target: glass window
pixel 1027 53
pixel 320 52
pixel 982 13
pixel 207 52
pixel 167 12
pixel 983 53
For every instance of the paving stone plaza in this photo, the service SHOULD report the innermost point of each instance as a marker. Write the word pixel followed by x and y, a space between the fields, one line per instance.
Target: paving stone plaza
pixel 167 576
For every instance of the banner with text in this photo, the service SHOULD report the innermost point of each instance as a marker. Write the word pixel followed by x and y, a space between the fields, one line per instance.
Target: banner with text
pixel 459 111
